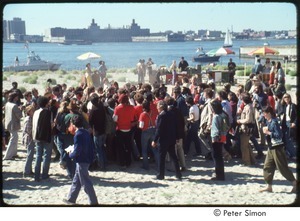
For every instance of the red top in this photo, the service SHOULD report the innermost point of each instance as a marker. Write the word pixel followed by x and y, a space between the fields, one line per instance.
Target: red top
pixel 138 110
pixel 272 101
pixel 196 98
pixel 146 120
pixel 271 79
pixel 153 109
pixel 124 115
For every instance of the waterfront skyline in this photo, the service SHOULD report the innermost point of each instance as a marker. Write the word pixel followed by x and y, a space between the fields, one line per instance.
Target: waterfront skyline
pixel 158 17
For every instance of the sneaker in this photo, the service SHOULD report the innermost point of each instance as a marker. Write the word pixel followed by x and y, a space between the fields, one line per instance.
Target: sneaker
pixel 68 202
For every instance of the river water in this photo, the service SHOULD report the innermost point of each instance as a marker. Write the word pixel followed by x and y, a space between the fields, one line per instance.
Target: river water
pixel 127 54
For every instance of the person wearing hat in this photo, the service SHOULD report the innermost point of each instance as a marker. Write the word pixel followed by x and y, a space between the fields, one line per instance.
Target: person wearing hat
pixel 256 80
pixel 13 115
pixel 27 140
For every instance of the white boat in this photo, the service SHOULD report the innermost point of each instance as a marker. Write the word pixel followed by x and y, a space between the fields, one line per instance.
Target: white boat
pixel 227 40
pixel 34 63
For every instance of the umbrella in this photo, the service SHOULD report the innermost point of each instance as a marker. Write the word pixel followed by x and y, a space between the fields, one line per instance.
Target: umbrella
pixel 220 51
pixel 264 51
pixel 88 55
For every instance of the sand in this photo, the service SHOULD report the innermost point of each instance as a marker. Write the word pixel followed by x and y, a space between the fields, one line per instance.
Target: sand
pixel 136 186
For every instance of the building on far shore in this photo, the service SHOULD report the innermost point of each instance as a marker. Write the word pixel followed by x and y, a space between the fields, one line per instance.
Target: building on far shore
pixel 95 34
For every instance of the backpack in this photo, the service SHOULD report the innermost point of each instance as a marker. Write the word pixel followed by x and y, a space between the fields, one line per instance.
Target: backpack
pixel 60 122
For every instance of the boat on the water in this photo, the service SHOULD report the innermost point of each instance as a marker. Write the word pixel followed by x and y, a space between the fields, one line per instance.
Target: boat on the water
pixel 203 57
pixel 34 63
pixel 227 40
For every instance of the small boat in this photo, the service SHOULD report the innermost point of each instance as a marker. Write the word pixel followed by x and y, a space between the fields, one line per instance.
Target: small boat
pixel 34 63
pixel 227 40
pixel 204 58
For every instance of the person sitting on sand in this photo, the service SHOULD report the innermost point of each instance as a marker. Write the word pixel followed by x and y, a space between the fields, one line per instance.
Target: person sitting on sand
pixel 276 157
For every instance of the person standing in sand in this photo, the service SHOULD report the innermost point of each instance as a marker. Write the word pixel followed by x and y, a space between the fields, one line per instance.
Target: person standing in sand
pixel 83 156
pixel 28 141
pixel 165 138
pixel 13 115
pixel 41 134
pixel 276 157
pixel 88 75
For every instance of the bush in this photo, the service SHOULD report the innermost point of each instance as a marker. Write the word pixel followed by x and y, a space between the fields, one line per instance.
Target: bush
pixel 292 73
pixel 239 73
pixel 22 89
pixel 109 75
pixel 53 81
pixel 70 77
pixel 62 72
pixel 31 80
pixel 288 87
pixel 4 78
pixel 25 73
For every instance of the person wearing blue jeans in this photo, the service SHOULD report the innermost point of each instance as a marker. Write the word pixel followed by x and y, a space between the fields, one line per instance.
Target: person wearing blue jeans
pixel 43 153
pixel 147 137
pixel 41 134
pixel 147 125
pixel 29 159
pixel 99 144
pixel 97 123
pixel 83 155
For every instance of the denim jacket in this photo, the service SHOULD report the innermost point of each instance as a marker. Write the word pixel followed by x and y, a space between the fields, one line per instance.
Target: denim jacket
pixel 216 132
pixel 276 133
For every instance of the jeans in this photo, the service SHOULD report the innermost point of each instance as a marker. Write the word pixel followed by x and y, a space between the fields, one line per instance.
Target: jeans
pixel 99 145
pixel 60 144
pixel 192 136
pixel 12 146
pixel 29 158
pixel 147 137
pixel 43 152
pixel 82 179
pixel 68 140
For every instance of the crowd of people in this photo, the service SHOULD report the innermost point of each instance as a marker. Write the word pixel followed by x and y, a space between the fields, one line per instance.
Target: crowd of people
pixel 146 123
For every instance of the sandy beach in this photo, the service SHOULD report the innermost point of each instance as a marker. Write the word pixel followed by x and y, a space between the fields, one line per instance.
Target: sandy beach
pixel 137 187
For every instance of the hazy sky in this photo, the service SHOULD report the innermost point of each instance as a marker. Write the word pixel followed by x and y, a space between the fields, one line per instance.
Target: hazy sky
pixel 156 16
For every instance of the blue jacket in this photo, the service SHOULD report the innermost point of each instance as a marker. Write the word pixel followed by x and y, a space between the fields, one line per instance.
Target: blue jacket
pixel 276 132
pixel 83 147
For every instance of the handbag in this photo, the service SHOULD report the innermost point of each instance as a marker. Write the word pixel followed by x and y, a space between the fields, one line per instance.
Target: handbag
pixel 247 128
